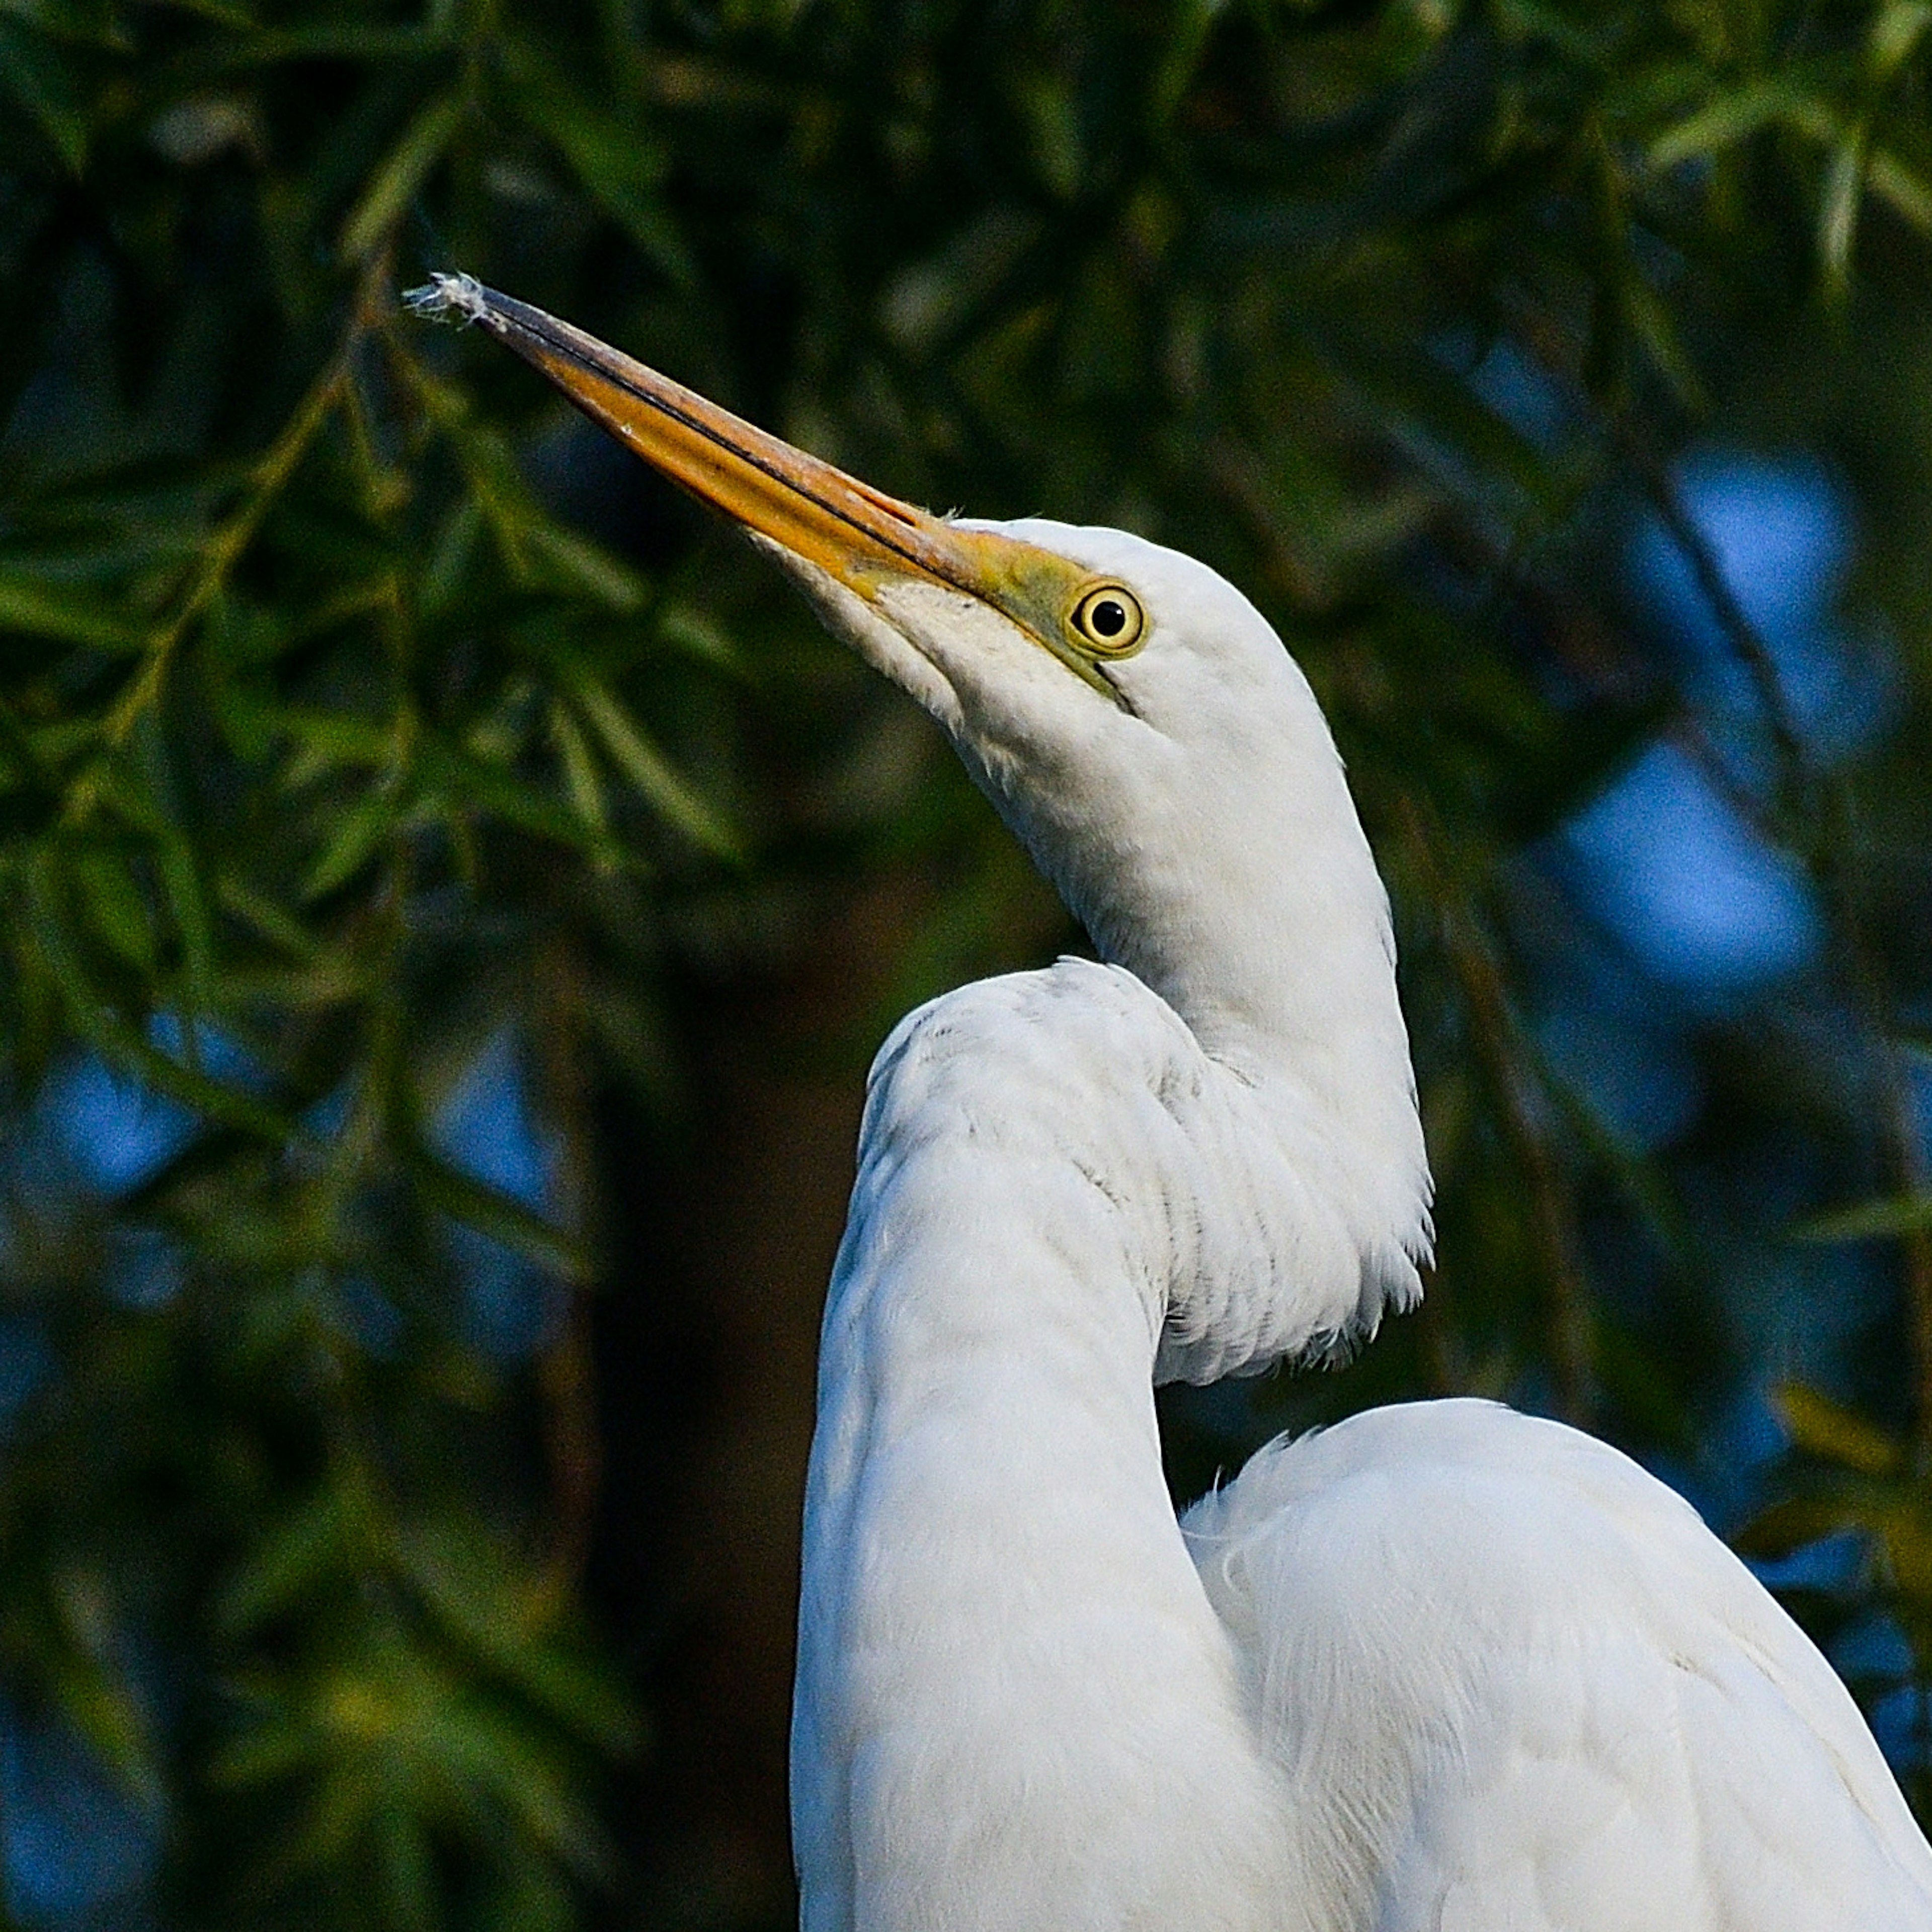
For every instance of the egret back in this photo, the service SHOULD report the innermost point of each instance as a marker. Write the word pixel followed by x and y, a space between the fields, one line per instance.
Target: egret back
pixel 1513 1681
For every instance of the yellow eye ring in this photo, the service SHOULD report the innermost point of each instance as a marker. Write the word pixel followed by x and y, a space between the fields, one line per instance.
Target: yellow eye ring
pixel 1108 622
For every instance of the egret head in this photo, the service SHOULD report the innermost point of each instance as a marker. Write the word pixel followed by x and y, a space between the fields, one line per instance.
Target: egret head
pixel 1132 716
pixel 1158 752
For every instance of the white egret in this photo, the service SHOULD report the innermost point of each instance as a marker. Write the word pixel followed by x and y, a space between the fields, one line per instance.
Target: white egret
pixel 1441 1666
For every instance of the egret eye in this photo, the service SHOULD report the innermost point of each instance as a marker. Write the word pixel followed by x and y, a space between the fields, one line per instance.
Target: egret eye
pixel 1109 620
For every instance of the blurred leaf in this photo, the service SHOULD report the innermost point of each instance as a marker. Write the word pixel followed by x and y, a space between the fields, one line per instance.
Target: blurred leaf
pixel 1901 1214
pixel 327 1537
pixel 116 908
pixel 94 1022
pixel 42 610
pixel 357 836
pixel 574 564
pixel 91 1688
pixel 586 789
pixel 1733 116
pixel 44 88
pixel 492 1212
pixel 396 183
pixel 487 783
pixel 464 1584
pixel 1906 189
pixel 644 766
pixel 619 163
pixel 1838 209
pixel 1834 1434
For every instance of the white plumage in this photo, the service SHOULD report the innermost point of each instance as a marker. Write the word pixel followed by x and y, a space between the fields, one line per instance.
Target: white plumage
pixel 1442 1668
pixel 1513 1682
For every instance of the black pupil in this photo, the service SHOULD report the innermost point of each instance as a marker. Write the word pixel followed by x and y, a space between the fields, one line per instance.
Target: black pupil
pixel 1109 617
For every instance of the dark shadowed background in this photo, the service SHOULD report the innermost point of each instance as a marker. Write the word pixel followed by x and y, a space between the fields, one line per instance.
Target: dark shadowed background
pixel 450 890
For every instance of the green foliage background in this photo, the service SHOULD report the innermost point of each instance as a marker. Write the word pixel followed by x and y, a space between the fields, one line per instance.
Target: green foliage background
pixel 360 712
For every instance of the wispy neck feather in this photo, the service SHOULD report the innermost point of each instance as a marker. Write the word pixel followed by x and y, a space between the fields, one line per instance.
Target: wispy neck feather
pixel 1240 889
pixel 1203 833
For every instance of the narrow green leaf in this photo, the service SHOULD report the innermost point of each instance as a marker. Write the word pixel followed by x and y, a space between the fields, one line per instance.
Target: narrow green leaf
pixel 580 770
pixel 146 784
pixel 443 577
pixel 1732 117
pixel 87 23
pixel 1187 36
pixel 1906 192
pixel 621 170
pixel 356 600
pixel 41 609
pixel 1835 1434
pixel 269 1750
pixel 179 872
pixel 117 909
pixel 329 739
pixel 1434 414
pixel 1899 26
pixel 644 766
pixel 357 832
pixel 504 1762
pixel 491 1211
pixel 496 486
pixel 578 564
pixel 462 780
pixel 508 1623
pixel 1898 1214
pixel 395 184
pixel 94 1020
pixel 329 39
pixel 1797 1521
pixel 694 634
pixel 102 1708
pixel 1838 212
pixel 1656 330
pixel 42 87
pixel 325 1536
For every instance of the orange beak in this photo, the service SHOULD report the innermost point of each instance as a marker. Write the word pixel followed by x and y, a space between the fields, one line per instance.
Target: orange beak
pixel 858 535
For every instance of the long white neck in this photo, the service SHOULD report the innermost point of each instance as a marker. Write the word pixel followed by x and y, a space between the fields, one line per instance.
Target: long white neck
pixel 1226 867
pixel 1202 831
pixel 1016 1707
